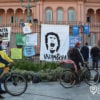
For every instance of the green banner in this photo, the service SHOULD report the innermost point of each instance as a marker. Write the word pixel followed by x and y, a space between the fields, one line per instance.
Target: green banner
pixel 20 39
pixel 16 53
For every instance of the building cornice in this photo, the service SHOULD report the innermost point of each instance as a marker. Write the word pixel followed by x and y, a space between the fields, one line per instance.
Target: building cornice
pixel 86 1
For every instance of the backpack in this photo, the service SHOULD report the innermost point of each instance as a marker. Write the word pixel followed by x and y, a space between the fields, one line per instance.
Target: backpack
pixel 36 79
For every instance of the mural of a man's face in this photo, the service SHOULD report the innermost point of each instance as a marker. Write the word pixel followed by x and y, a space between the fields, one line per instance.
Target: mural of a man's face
pixel 52 42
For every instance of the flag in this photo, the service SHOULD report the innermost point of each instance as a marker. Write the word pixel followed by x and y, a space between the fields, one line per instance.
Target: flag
pixel 86 29
pixel 75 30
pixel 20 39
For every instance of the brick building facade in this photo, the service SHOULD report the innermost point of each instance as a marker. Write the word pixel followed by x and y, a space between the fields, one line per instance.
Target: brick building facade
pixel 71 12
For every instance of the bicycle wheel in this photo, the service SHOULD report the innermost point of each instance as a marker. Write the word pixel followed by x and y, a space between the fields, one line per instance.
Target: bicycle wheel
pixel 15 84
pixel 92 77
pixel 67 79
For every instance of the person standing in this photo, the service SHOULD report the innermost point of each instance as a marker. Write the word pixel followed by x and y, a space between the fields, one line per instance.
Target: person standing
pixel 95 51
pixel 85 52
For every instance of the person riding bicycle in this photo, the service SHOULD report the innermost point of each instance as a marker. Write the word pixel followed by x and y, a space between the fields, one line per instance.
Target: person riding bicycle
pixel 4 60
pixel 75 55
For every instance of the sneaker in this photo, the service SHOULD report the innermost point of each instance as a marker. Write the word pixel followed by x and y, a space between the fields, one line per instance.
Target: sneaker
pixel 2 92
pixel 1 97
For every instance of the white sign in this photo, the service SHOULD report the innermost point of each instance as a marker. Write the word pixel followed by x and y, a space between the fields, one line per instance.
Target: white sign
pixel 26 28
pixel 29 51
pixel 54 42
pixel 30 39
pixel 5 32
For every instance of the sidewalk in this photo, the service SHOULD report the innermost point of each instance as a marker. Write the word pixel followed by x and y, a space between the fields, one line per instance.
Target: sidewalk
pixel 54 91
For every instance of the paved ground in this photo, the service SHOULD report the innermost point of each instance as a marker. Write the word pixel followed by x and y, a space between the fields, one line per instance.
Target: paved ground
pixel 54 91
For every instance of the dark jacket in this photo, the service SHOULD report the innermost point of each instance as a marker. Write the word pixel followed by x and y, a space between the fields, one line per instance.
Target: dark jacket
pixel 95 51
pixel 85 52
pixel 75 55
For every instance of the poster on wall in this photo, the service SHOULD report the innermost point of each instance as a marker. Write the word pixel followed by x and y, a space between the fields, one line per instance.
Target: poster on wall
pixel 86 29
pixel 73 40
pixel 75 30
pixel 29 51
pixel 30 39
pixel 19 39
pixel 16 53
pixel 5 32
pixel 54 42
pixel 26 27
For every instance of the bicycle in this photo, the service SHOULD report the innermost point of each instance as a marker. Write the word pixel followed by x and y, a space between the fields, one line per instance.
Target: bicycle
pixel 69 76
pixel 14 83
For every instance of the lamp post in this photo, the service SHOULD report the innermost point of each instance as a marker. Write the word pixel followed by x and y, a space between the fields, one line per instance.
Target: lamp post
pixel 28 6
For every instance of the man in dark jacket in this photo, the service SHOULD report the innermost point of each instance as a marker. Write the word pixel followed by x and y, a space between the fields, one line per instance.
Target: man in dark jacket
pixel 85 52
pixel 75 55
pixel 95 51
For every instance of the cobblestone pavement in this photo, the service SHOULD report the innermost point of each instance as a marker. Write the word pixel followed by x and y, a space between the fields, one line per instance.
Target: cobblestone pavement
pixel 54 91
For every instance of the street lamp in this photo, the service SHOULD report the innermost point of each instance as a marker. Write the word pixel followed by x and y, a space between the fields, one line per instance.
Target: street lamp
pixel 28 6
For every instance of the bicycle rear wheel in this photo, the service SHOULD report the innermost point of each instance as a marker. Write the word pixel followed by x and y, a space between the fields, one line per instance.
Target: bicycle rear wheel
pixel 15 84
pixel 67 79
pixel 92 77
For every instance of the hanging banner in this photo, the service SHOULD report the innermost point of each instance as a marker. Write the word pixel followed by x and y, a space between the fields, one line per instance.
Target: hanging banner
pixel 75 30
pixel 16 53
pixel 19 39
pixel 73 40
pixel 26 27
pixel 5 32
pixel 29 51
pixel 30 39
pixel 54 42
pixel 86 29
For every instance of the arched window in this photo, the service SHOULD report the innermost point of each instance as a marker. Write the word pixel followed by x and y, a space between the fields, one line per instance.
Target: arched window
pixel 11 19
pixel 48 14
pixel 59 14
pixel 71 15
